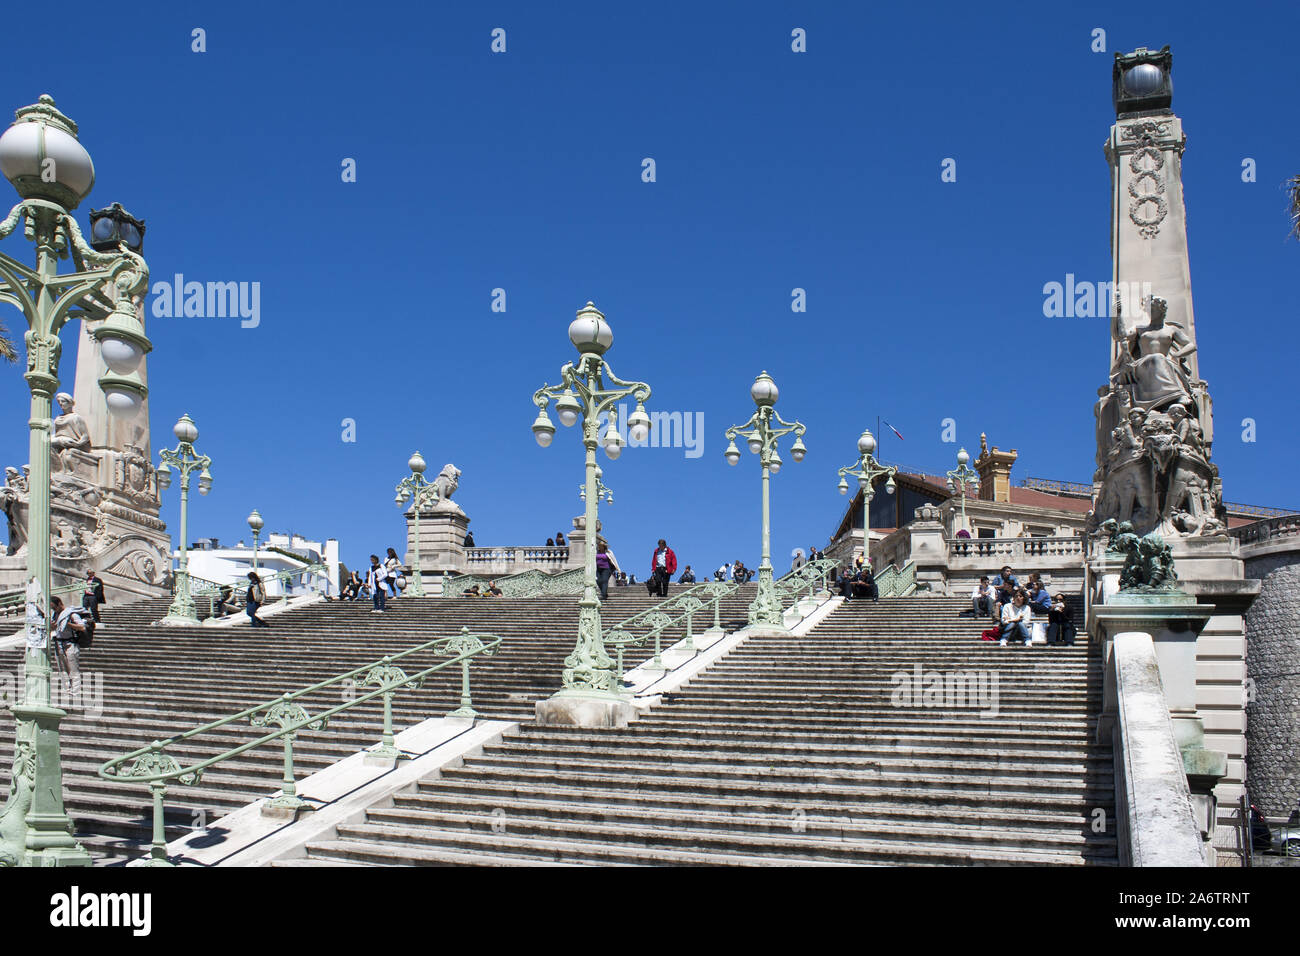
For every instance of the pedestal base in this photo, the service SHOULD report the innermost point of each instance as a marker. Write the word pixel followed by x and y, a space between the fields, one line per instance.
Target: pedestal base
pixel 578 711
pixel 768 630
pixel 172 620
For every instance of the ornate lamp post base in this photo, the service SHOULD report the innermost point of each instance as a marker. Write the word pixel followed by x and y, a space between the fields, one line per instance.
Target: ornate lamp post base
pixel 592 695
pixel 34 829
pixel 765 612
pixel 585 708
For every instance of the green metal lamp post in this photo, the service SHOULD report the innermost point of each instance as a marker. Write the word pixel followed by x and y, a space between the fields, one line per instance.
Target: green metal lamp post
pixel 583 394
pixel 867 470
pixel 762 435
pixel 959 478
pixel 422 494
pixel 185 460
pixel 52 172
pixel 256 523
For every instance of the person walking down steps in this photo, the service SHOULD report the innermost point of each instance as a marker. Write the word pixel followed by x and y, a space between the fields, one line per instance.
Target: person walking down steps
pixel 375 581
pixel 662 566
pixel 254 599
pixel 92 598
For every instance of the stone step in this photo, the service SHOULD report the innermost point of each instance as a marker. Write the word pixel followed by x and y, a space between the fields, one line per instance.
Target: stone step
pixel 625 756
pixel 504 789
pixel 640 735
pixel 790 782
pixel 621 847
pixel 691 809
pixel 702 832
pixel 818 773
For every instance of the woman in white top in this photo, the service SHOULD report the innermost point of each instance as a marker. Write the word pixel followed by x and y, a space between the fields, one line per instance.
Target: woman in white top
pixel 1016 618
pixel 393 567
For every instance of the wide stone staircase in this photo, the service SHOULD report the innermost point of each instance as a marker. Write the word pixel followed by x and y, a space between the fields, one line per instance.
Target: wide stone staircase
pixel 794 750
pixel 146 682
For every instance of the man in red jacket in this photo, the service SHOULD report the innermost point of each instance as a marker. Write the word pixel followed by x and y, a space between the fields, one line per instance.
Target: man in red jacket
pixel 662 566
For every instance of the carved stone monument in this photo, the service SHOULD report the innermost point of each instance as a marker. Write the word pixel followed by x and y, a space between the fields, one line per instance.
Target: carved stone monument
pixel 1157 496
pixel 103 492
pixel 1154 416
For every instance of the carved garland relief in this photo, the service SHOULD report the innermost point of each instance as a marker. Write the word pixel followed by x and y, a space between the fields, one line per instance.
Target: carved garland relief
pixel 1146 189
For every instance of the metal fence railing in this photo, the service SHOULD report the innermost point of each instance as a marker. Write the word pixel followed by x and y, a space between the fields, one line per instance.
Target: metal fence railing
pixel 156 768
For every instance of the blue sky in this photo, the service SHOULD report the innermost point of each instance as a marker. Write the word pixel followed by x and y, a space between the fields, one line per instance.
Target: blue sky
pixel 775 170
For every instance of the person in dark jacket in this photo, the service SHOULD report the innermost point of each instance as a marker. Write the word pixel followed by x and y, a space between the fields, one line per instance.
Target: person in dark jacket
pixel 865 585
pixel 846 583
pixel 1060 623
pixel 663 564
pixel 93 597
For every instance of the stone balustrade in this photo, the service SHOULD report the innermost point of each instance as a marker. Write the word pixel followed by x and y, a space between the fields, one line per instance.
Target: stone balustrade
pixel 512 560
pixel 1269 536
pixel 1020 553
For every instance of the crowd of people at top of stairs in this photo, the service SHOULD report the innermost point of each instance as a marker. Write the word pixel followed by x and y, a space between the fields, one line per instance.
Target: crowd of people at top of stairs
pixel 1011 607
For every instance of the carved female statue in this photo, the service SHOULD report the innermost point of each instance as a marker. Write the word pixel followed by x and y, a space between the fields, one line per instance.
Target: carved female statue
pixel 70 431
pixel 13 500
pixel 1154 361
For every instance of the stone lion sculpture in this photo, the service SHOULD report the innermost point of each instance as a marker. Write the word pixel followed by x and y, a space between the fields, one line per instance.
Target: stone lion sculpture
pixel 447 482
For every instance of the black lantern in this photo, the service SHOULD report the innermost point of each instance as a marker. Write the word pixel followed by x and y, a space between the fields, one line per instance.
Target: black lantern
pixel 1143 82
pixel 114 225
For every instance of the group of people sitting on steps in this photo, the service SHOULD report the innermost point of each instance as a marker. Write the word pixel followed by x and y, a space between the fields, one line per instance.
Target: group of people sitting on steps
pixel 858 582
pixel 488 591
pixel 1011 608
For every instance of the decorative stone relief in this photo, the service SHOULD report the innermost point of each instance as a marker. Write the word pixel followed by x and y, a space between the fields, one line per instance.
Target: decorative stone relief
pixel 1153 458
pixel 1148 207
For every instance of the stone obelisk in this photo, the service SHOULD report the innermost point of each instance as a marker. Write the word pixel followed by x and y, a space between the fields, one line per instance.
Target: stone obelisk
pixel 126 540
pixel 1154 416
pixel 1155 423
pixel 104 507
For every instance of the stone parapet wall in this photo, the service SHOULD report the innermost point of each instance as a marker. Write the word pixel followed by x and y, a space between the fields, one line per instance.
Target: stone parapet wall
pixel 1273 669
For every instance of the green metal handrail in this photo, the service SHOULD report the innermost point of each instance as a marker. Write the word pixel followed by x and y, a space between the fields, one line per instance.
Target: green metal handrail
pixel 806 575
pixel 657 618
pixel 531 582
pixel 894 581
pixel 200 586
pixel 211 590
pixel 20 597
pixel 153 766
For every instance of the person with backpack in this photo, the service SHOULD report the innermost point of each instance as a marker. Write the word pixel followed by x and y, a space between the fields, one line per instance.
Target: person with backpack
pixel 93 596
pixel 375 581
pixel 71 633
pixel 254 599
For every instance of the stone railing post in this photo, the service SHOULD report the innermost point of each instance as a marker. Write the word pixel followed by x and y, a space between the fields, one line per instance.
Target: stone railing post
pixel 1171 621
pixel 929 549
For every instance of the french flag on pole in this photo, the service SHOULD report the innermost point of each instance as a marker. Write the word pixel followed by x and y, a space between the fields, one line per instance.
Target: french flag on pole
pixel 893 429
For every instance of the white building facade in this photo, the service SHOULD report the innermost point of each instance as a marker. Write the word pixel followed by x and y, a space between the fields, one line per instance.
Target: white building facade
pixel 209 561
